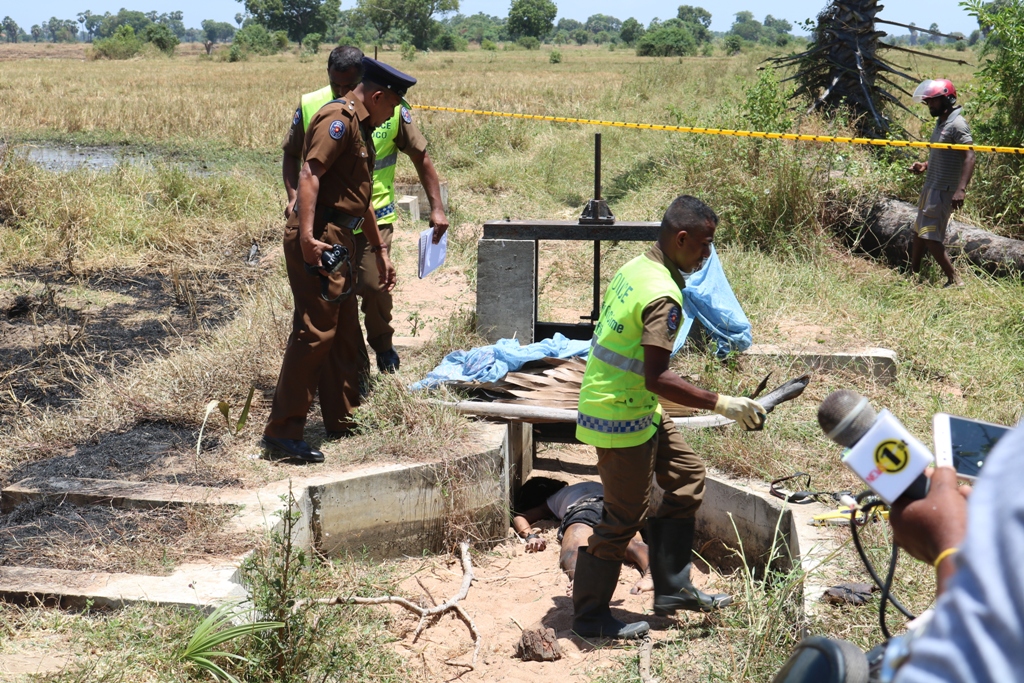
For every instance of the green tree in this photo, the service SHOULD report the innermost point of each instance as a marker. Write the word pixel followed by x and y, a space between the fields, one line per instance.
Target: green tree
pixel 631 31
pixel 747 27
pixel 418 19
pixel 11 30
pixel 531 18
pixel 123 44
pixel 296 17
pixel 109 23
pixel 581 36
pixel 602 22
pixel 61 30
pixel 568 25
pixel 217 31
pixel 688 14
pixel 90 22
pixel 37 33
pixel 671 38
pixel 162 37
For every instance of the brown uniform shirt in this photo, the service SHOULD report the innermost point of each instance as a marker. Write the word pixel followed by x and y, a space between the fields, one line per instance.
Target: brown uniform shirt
pixel 339 138
pixel 409 138
pixel 662 317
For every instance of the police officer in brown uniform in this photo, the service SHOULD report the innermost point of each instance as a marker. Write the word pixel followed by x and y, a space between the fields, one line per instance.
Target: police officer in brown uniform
pixel 325 351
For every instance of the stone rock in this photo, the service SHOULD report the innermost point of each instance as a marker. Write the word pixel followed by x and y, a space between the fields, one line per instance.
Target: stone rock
pixel 539 645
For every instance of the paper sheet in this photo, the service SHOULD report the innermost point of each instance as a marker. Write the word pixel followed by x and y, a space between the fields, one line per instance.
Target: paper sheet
pixel 431 255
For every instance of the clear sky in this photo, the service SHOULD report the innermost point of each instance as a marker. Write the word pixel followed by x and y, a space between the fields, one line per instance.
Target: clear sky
pixel 946 13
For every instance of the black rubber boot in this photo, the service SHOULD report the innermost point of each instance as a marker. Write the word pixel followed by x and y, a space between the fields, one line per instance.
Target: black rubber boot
pixel 592 590
pixel 671 542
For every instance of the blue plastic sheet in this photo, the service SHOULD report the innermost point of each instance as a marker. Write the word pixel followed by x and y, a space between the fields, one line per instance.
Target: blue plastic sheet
pixel 709 299
pixel 491 363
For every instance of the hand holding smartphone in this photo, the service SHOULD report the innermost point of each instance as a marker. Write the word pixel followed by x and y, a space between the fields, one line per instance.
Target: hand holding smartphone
pixel 964 444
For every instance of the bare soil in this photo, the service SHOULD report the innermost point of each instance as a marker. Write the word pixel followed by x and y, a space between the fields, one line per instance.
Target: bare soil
pixel 98 538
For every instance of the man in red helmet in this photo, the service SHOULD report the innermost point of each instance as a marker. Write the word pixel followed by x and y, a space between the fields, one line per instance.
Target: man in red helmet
pixel 947 172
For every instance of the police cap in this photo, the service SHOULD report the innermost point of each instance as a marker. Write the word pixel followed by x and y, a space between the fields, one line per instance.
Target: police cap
pixel 387 75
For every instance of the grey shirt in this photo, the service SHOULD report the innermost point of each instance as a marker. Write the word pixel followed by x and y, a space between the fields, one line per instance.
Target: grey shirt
pixel 560 501
pixel 977 632
pixel 945 165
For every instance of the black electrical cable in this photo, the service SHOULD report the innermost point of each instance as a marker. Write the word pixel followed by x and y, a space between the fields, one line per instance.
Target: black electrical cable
pixel 886 594
pixel 882 586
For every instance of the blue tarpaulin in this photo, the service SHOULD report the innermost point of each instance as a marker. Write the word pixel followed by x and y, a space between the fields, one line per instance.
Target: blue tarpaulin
pixel 707 298
pixel 491 363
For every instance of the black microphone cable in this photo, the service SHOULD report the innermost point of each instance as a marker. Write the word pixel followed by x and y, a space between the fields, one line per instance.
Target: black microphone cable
pixel 884 586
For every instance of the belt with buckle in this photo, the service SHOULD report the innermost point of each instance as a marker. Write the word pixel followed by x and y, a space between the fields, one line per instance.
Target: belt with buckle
pixel 341 219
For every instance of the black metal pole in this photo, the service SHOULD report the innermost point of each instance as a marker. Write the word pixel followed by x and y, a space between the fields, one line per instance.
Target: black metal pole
pixel 596 312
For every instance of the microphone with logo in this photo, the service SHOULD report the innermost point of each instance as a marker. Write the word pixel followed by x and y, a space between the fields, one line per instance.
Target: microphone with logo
pixel 879 449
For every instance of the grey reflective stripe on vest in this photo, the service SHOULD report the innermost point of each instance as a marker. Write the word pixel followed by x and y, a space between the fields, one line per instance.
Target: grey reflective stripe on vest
pixel 597 424
pixel 384 162
pixel 616 359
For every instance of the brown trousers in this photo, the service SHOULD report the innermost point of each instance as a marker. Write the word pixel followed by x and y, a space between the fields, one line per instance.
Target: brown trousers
pixel 325 351
pixel 627 473
pixel 377 304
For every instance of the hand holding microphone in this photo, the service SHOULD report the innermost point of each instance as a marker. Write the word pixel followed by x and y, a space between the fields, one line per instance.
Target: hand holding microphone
pixel 880 450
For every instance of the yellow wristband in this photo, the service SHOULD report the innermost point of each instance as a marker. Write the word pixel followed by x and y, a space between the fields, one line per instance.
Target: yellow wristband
pixel 944 554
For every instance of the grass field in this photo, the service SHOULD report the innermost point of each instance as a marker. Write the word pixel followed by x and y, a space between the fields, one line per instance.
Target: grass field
pixel 73 243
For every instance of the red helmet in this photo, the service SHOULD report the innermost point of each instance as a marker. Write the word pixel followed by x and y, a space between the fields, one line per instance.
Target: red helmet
pixel 938 87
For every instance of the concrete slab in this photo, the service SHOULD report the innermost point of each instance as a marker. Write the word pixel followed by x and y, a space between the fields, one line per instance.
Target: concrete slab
pixel 121 494
pixel 194 585
pixel 421 194
pixel 875 362
pixel 409 205
pixel 506 281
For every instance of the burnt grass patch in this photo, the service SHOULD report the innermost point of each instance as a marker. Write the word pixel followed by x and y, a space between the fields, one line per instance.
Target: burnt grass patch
pixel 149 451
pixel 101 538
pixel 57 331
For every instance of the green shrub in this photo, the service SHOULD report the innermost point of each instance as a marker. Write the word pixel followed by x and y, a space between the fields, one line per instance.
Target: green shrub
pixel 555 57
pixel 255 39
pixel 124 44
pixel 161 37
pixel 669 39
pixel 408 52
pixel 581 36
pixel 488 45
pixel 529 43
pixel 733 44
pixel 449 42
pixel 707 50
pixel 312 43
pixel 281 40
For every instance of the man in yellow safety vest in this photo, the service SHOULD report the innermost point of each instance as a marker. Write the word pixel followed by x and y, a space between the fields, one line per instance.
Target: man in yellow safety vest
pixel 620 415
pixel 398 133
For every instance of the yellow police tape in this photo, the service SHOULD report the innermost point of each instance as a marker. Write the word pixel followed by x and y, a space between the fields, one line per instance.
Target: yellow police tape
pixel 725 131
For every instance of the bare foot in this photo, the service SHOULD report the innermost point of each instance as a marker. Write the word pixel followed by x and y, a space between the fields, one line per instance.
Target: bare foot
pixel 644 585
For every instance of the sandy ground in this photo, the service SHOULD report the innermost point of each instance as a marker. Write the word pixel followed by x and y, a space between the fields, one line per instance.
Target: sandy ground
pixel 513 590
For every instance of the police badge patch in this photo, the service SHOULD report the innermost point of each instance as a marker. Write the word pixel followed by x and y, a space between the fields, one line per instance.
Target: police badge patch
pixel 297 117
pixel 673 319
pixel 406 115
pixel 337 129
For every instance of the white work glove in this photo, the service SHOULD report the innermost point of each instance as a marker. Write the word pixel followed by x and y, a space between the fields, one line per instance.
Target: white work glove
pixel 746 411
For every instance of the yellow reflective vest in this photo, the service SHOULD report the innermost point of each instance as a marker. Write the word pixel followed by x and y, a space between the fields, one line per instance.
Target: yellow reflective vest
pixel 384 168
pixel 311 103
pixel 616 410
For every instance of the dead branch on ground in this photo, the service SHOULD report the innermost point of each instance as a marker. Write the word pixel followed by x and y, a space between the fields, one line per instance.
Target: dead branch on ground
pixel 645 661
pixel 424 613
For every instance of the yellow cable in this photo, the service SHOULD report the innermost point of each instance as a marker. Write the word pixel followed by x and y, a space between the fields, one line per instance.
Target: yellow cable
pixel 734 133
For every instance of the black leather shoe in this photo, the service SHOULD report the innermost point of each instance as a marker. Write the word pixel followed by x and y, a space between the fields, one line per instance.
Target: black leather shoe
pixel 388 361
pixel 290 449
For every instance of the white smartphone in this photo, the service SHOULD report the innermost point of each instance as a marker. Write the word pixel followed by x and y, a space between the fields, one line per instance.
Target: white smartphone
pixel 964 444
